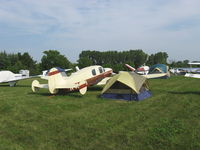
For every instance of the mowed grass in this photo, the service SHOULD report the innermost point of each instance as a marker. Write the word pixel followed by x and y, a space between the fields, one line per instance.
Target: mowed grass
pixel 170 119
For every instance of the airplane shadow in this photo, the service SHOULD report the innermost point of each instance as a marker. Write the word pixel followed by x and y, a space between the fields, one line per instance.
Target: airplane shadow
pixel 6 85
pixel 186 92
pixel 95 88
pixel 60 93
pixel 38 93
pixel 23 86
pixel 71 94
pixel 74 94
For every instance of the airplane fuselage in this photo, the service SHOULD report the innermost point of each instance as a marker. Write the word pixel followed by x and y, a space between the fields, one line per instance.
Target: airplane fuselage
pixel 92 75
pixel 79 80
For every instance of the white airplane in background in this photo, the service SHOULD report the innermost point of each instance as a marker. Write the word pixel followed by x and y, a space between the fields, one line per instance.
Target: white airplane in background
pixel 194 74
pixel 12 78
pixel 79 80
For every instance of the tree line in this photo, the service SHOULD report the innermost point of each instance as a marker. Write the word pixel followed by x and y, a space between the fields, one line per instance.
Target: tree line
pixel 113 59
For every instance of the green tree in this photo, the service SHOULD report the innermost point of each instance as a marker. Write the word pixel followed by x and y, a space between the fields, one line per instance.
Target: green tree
pixel 53 58
pixel 84 62
pixel 158 58
pixel 28 62
pixel 16 67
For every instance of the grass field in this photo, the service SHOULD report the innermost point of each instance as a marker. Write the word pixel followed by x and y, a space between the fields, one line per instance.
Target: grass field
pixel 170 119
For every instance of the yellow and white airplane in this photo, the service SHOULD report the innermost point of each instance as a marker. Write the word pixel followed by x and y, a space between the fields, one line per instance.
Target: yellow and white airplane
pixel 79 80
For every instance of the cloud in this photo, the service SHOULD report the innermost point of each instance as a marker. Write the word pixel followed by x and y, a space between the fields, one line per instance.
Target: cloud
pixel 102 25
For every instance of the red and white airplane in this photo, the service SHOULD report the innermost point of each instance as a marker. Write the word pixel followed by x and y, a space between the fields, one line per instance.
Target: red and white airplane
pixel 144 70
pixel 79 80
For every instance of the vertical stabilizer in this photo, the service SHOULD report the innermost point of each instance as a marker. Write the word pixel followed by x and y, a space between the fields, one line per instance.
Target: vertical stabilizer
pixel 55 78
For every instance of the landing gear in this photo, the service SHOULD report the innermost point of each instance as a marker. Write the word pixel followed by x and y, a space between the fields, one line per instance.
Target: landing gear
pixel 12 84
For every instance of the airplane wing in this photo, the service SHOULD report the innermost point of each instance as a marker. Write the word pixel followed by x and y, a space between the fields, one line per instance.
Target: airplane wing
pixel 17 79
pixel 12 82
pixel 104 81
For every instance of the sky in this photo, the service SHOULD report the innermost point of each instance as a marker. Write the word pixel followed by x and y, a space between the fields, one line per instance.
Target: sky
pixel 70 26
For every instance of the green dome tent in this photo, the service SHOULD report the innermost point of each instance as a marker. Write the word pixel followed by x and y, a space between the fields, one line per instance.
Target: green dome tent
pixel 158 68
pixel 126 86
pixel 158 71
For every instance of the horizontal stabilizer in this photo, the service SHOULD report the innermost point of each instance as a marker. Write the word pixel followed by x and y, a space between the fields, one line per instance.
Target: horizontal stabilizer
pixel 104 81
pixel 36 86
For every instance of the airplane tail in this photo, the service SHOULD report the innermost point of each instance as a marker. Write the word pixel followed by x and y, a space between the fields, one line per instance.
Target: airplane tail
pixel 129 67
pixel 56 81
pixel 55 78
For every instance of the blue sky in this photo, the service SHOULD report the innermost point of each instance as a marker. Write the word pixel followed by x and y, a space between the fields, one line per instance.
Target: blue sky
pixel 71 26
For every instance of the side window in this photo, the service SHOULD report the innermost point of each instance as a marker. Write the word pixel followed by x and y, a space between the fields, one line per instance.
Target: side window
pixel 100 69
pixel 93 72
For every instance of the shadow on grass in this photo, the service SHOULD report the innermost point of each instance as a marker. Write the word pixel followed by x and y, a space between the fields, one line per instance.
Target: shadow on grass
pixel 7 85
pixel 23 86
pixel 75 94
pixel 4 85
pixel 95 88
pixel 60 93
pixel 186 92
pixel 38 93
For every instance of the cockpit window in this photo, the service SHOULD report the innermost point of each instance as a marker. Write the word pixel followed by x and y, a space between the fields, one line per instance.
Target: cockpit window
pixel 93 72
pixel 100 69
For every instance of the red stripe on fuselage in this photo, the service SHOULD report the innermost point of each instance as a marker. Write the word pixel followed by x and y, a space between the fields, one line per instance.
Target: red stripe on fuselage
pixel 82 86
pixel 99 77
pixel 140 69
pixel 53 73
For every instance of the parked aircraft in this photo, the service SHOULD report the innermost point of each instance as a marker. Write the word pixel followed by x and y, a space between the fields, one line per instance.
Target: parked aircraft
pixel 141 70
pixel 144 71
pixel 193 74
pixel 12 78
pixel 79 80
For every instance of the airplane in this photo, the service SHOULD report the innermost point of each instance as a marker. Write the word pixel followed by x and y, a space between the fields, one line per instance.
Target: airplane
pixel 12 78
pixel 144 70
pixel 79 80
pixel 195 73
